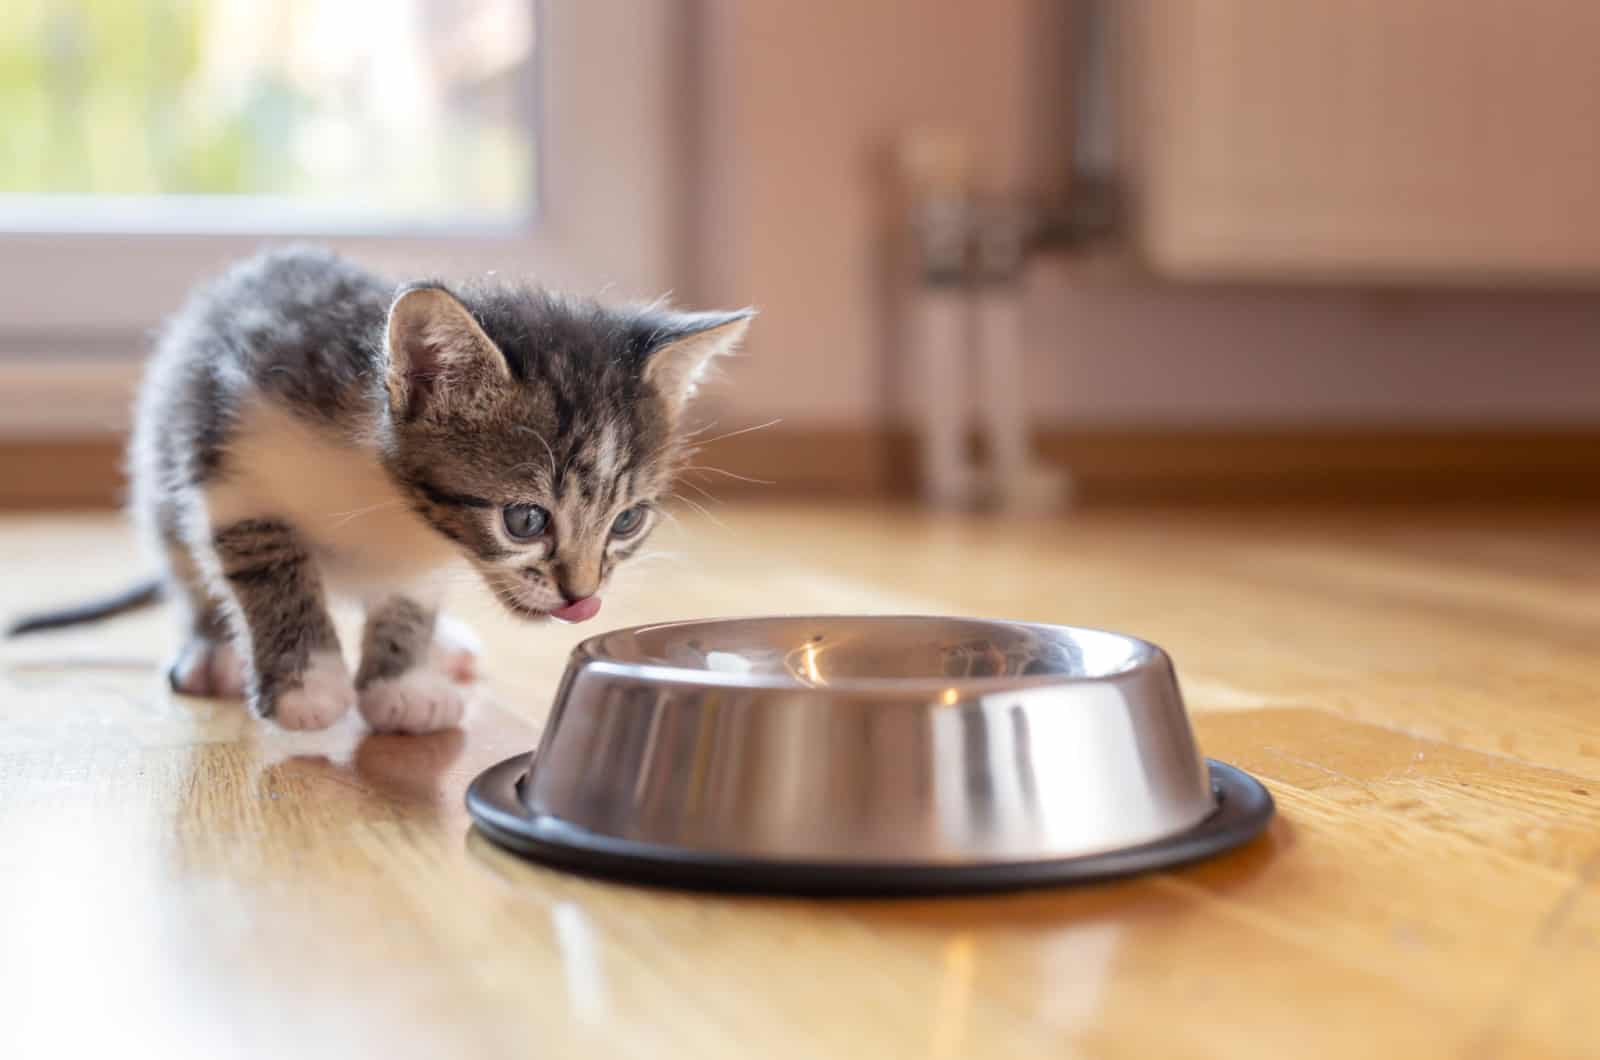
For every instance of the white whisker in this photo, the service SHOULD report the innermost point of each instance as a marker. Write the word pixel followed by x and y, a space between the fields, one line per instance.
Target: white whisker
pixel 729 474
pixel 341 518
pixel 698 489
pixel 700 430
pixel 745 430
pixel 699 508
pixel 655 554
pixel 551 453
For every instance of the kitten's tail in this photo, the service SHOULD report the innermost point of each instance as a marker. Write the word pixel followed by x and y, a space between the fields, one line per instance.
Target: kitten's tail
pixel 141 595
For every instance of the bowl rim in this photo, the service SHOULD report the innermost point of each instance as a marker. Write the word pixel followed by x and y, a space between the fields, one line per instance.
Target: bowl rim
pixel 587 657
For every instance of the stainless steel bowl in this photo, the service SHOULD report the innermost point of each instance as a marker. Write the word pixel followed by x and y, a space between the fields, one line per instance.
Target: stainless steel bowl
pixel 864 754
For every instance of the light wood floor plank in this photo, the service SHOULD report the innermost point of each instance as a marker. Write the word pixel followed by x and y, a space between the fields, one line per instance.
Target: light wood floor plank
pixel 1419 689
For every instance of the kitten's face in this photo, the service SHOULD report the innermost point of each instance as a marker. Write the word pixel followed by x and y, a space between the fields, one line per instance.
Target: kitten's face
pixel 540 436
pixel 545 518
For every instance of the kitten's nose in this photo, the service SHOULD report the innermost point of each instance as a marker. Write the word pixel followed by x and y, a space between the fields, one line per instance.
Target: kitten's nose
pixel 575 586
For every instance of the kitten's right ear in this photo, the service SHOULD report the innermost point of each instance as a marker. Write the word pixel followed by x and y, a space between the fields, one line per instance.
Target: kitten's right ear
pixel 684 346
pixel 437 352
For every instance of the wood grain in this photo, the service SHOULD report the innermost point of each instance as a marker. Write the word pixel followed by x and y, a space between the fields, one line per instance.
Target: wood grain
pixel 1418 689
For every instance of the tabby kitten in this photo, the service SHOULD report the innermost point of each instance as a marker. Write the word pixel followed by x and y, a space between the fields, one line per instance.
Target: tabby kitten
pixel 304 428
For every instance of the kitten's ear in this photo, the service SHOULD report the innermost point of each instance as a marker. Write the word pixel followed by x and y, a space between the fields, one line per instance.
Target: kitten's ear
pixel 682 350
pixel 437 351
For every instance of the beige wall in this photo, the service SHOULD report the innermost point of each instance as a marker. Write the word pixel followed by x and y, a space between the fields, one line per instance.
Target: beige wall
pixel 801 101
pixel 1177 356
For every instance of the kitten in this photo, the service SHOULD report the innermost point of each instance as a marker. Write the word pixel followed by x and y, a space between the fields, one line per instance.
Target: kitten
pixel 304 427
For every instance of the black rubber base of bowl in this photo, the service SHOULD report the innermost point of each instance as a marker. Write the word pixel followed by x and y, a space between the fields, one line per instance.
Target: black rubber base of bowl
pixel 1243 809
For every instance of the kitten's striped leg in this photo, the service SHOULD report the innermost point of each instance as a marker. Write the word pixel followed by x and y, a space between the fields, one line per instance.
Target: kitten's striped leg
pixel 406 682
pixel 207 664
pixel 297 676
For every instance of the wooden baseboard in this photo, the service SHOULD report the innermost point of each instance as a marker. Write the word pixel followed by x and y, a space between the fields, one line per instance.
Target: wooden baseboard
pixel 1200 464
pixel 1379 464
pixel 1165 464
pixel 61 473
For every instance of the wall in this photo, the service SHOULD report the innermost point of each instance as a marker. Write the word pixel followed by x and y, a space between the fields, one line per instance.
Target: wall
pixel 1127 354
pixel 801 102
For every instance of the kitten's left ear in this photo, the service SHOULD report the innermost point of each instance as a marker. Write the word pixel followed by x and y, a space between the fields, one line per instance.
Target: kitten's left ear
pixel 682 350
pixel 437 352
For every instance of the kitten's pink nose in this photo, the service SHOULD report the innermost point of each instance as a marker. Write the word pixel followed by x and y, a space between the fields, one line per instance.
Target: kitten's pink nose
pixel 578 610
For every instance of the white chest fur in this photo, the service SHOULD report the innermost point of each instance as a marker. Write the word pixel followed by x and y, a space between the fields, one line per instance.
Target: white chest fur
pixel 335 494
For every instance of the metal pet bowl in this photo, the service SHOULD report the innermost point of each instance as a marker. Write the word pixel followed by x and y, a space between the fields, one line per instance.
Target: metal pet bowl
pixel 859 755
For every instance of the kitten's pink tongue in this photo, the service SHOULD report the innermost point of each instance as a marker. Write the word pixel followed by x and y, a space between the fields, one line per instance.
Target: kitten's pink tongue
pixel 578 611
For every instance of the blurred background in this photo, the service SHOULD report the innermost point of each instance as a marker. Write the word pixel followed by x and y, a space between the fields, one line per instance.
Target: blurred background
pixel 1018 254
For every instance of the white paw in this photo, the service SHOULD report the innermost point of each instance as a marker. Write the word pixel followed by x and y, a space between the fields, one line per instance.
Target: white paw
pixel 324 695
pixel 420 700
pixel 455 650
pixel 207 667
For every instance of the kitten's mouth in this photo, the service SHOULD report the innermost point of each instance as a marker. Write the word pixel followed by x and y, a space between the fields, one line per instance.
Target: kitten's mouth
pixel 517 607
pixel 577 611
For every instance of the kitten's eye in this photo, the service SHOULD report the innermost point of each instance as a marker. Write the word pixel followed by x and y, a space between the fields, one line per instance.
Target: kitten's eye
pixel 628 521
pixel 524 521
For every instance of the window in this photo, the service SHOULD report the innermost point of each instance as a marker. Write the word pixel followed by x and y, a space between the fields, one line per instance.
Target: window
pixel 145 144
pixel 267 115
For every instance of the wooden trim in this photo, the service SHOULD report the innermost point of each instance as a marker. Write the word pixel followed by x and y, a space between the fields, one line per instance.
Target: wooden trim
pixel 1204 464
pixel 1133 464
pixel 1331 463
pixel 61 473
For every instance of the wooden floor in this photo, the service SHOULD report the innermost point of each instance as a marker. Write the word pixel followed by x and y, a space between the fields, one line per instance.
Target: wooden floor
pixel 1421 693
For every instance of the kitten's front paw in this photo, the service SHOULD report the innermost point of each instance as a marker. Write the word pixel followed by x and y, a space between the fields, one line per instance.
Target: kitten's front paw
pixel 455 649
pixel 419 700
pixel 207 667
pixel 324 694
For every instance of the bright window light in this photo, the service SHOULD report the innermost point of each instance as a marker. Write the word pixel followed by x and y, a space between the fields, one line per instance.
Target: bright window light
pixel 266 115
